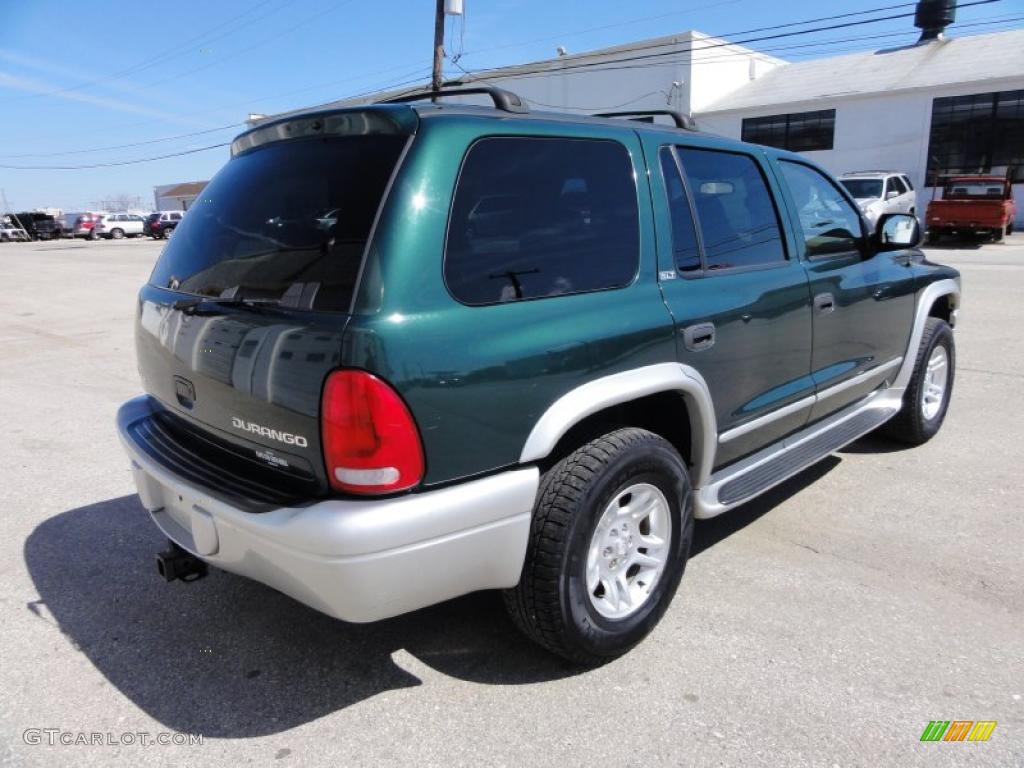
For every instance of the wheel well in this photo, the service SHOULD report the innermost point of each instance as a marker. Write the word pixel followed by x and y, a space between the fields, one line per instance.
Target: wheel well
pixel 664 413
pixel 942 308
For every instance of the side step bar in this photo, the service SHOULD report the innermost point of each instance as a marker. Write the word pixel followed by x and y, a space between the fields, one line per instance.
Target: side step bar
pixel 756 474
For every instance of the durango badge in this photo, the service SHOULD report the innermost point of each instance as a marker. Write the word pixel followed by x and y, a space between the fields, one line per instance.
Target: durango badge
pixel 273 434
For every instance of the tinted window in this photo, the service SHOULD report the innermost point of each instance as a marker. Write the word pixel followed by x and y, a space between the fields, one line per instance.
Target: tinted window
pixel 863 189
pixel 684 236
pixel 976 134
pixel 291 217
pixel 175 217
pixel 541 217
pixel 799 131
pixel 897 185
pixel 907 182
pixel 738 223
pixel 829 223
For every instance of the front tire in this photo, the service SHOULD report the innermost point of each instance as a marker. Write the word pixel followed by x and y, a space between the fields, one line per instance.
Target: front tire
pixel 927 397
pixel 117 233
pixel 609 541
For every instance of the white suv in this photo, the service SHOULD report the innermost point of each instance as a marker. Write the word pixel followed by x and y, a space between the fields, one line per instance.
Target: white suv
pixel 118 225
pixel 878 192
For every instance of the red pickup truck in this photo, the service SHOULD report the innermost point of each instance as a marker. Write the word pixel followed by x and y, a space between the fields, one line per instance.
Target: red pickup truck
pixel 972 204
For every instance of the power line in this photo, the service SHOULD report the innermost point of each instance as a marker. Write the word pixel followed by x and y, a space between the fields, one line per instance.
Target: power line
pixel 126 146
pixel 159 58
pixel 552 66
pixel 647 44
pixel 277 35
pixel 109 165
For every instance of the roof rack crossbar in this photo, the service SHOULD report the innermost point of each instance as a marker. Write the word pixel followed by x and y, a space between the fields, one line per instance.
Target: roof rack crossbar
pixel 682 121
pixel 504 100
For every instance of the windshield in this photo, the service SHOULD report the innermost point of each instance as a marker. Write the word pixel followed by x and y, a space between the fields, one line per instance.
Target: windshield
pixel 863 188
pixel 287 222
pixel 967 190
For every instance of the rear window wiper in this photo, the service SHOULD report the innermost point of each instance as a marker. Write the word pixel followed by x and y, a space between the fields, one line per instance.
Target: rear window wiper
pixel 195 306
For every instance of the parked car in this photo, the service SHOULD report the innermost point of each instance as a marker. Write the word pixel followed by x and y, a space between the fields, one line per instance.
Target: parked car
pixel 11 232
pixel 972 205
pixel 161 224
pixel 506 364
pixel 880 192
pixel 84 225
pixel 39 226
pixel 119 225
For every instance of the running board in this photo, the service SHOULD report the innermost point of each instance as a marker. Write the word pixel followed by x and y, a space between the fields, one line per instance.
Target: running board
pixel 767 468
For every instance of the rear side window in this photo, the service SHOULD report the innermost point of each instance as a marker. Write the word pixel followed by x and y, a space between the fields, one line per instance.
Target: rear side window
pixel 738 222
pixel 685 252
pixel 536 217
pixel 288 221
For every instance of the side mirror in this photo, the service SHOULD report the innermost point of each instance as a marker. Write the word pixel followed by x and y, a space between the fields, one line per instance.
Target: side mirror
pixel 897 232
pixel 892 194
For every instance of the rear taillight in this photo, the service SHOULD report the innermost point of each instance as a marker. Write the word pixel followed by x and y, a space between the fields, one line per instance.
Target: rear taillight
pixel 370 440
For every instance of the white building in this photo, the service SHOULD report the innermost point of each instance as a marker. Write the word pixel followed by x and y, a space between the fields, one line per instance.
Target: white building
pixel 177 197
pixel 947 105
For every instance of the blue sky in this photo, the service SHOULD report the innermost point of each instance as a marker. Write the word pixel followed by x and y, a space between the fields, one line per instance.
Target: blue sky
pixel 124 73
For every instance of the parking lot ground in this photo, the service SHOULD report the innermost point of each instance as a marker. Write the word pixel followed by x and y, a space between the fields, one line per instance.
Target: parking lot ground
pixel 824 624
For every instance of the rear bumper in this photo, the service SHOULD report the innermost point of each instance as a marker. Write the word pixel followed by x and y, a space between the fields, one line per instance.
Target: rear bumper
pixel 357 560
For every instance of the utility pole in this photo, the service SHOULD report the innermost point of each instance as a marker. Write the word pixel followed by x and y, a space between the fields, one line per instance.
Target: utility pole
pixel 435 81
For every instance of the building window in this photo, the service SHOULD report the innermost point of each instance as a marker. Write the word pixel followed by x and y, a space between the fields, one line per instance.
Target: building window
pixel 797 132
pixel 974 134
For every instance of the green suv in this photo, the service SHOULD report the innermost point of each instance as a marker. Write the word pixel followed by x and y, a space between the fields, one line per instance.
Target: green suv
pixel 407 351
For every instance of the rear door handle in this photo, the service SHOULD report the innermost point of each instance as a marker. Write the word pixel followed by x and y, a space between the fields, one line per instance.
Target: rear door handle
pixel 825 303
pixel 698 337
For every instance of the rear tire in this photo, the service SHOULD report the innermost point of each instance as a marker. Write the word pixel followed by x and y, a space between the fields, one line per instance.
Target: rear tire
pixel 934 236
pixel 590 588
pixel 999 234
pixel 927 397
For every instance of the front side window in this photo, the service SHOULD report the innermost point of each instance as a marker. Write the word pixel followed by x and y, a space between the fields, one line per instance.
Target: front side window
pixel 830 224
pixel 897 185
pixel 537 217
pixel 738 223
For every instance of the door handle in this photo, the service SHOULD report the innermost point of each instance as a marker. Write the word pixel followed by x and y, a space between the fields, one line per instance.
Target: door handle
pixel 698 337
pixel 825 303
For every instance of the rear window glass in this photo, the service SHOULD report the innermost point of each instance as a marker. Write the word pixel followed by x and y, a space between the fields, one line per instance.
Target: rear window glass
pixel 738 221
pixel 287 222
pixel 965 190
pixel 535 217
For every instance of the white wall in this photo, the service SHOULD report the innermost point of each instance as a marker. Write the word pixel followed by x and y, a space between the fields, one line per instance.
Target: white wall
pixel 877 132
pixel 705 73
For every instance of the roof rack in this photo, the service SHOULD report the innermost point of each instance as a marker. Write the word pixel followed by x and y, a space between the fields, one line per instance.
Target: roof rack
pixel 682 121
pixel 504 100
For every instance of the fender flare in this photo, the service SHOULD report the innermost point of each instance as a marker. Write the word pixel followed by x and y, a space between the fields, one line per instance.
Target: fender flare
pixel 947 287
pixel 617 388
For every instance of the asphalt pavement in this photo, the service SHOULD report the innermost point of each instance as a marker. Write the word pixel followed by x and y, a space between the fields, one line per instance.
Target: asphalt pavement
pixel 824 624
